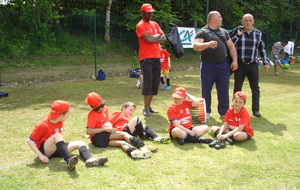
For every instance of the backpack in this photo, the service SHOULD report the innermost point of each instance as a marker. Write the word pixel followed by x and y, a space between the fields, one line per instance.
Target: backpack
pixel 135 72
pixel 101 75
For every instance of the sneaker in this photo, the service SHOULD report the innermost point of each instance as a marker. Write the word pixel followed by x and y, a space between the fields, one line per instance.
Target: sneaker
pixel 256 114
pixel 163 86
pixel 285 70
pixel 213 143
pixel 168 88
pixel 220 144
pixel 230 141
pixel 161 140
pixel 95 161
pixel 180 141
pixel 138 84
pixel 149 148
pixel 276 74
pixel 71 162
pixel 140 154
pixel 205 140
pixel 207 116
pixel 153 110
pixel 146 112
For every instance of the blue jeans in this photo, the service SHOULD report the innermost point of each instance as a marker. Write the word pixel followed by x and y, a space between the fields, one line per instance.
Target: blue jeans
pixel 219 74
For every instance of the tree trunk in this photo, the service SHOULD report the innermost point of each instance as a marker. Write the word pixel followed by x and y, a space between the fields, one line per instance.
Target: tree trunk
pixel 107 22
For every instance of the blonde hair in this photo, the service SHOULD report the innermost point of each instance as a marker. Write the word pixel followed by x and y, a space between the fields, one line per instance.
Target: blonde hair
pixel 128 104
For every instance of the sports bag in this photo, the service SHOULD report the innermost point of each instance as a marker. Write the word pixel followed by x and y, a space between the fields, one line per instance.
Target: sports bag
pixel 101 75
pixel 174 39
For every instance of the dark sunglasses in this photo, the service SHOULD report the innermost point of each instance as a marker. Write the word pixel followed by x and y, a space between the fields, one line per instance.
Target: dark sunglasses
pixel 99 107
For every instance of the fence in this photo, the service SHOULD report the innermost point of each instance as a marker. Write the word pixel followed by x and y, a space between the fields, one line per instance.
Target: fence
pixel 74 50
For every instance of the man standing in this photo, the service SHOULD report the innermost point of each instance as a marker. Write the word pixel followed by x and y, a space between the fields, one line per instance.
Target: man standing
pixel 149 35
pixel 248 42
pixel 213 41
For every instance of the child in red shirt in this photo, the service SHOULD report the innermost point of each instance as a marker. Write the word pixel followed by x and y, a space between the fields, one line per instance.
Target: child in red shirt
pixel 102 134
pixel 237 123
pixel 134 127
pixel 165 66
pixel 46 139
pixel 180 118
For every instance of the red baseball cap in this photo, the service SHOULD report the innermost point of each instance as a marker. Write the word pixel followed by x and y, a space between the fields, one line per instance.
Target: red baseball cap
pixel 147 8
pixel 58 107
pixel 93 99
pixel 179 92
pixel 240 94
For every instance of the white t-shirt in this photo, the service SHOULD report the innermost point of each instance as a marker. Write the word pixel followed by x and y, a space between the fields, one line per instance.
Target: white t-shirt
pixel 289 48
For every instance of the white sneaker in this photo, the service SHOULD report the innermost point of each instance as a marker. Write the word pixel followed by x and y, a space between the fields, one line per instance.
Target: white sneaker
pixel 138 84
pixel 140 154
pixel 207 116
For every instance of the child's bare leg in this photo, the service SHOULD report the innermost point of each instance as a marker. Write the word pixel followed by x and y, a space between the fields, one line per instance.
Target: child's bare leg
pixel 132 123
pixel 214 129
pixel 201 130
pixel 240 136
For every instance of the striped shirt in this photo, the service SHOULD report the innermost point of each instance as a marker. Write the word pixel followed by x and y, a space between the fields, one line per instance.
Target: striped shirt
pixel 249 46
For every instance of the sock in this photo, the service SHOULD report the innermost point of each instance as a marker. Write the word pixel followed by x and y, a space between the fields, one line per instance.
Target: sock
pixel 136 142
pixel 168 81
pixel 190 138
pixel 85 153
pixel 140 129
pixel 149 132
pixel 62 149
pixel 129 150
pixel 162 80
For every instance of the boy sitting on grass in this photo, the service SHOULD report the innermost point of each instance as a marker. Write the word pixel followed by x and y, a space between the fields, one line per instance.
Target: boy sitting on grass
pixel 237 123
pixel 134 127
pixel 102 134
pixel 46 139
pixel 180 118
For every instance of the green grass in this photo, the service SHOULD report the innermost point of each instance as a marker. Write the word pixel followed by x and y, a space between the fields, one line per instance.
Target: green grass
pixel 268 161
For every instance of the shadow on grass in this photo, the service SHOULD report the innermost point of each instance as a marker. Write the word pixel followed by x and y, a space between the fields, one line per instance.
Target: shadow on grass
pixel 55 165
pixel 264 125
pixel 249 144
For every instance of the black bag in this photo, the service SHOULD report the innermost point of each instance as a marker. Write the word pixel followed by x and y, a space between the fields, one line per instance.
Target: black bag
pixel 135 72
pixel 174 39
pixel 101 75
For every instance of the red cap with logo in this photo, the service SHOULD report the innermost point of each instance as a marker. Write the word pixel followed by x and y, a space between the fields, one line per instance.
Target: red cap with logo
pixel 147 8
pixel 179 92
pixel 240 94
pixel 58 107
pixel 93 99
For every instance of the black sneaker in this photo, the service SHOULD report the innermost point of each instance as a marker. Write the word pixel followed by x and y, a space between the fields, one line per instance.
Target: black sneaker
pixel 230 141
pixel 146 112
pixel 71 162
pixel 205 140
pixel 95 161
pixel 214 142
pixel 220 144
pixel 153 110
pixel 180 141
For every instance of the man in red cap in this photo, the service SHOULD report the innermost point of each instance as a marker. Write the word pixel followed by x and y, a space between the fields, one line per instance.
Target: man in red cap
pixel 180 118
pixel 46 139
pixel 149 36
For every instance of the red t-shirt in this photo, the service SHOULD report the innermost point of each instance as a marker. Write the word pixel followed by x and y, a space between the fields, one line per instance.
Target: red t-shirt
pixel 44 130
pixel 164 61
pixel 148 50
pixel 242 118
pixel 97 119
pixel 182 113
pixel 119 120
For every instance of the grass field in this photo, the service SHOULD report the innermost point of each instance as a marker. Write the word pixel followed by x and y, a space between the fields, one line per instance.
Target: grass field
pixel 271 160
